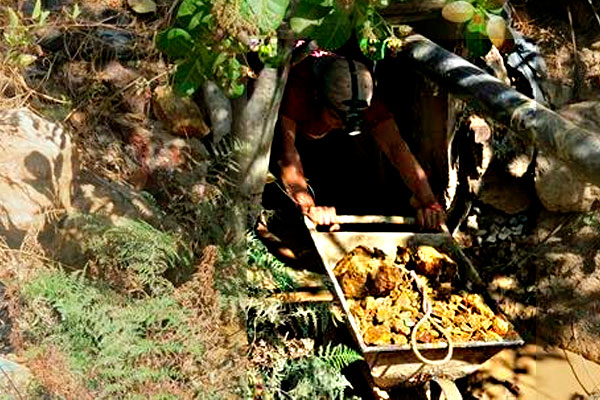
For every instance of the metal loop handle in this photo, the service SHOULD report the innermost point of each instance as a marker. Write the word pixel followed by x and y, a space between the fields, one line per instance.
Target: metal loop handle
pixel 413 335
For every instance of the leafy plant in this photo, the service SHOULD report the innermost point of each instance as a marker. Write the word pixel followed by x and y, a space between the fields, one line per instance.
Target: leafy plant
pixel 38 14
pixel 75 12
pixel 208 40
pixel 118 344
pixel 18 39
pixel 483 25
pixel 259 257
pixel 315 377
pixel 18 36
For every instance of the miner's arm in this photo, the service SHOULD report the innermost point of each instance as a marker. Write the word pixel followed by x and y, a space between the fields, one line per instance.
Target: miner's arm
pixel 292 174
pixel 294 181
pixel 387 135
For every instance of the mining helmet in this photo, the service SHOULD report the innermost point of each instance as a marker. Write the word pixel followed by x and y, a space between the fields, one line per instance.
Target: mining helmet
pixel 347 87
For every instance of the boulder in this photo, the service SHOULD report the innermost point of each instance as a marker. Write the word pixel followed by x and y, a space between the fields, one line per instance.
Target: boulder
pixel 567 267
pixel 14 379
pixel 36 172
pixel 558 187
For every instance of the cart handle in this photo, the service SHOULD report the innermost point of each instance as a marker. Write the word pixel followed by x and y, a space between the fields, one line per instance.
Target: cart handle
pixel 375 219
pixel 366 219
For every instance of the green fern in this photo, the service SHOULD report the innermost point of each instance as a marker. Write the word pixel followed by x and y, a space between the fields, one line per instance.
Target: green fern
pixel 137 247
pixel 312 319
pixel 259 257
pixel 338 357
pixel 315 377
pixel 106 337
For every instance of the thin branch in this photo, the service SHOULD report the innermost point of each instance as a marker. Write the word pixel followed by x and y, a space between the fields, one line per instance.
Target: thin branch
pixel 576 61
pixel 10 381
pixel 587 393
pixel 594 11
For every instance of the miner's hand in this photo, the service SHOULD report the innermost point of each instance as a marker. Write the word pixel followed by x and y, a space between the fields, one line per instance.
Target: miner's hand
pixel 319 215
pixel 431 216
pixel 324 216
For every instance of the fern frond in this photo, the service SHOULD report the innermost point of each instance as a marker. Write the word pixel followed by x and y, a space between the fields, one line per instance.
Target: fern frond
pixel 259 257
pixel 338 357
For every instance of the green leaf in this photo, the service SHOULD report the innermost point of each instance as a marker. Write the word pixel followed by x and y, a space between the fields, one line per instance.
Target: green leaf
pixel 76 12
pixel 334 30
pixel 13 18
pixel 176 42
pixel 477 44
pixel 43 17
pixel 188 77
pixel 37 10
pixel 475 27
pixel 218 61
pixel 267 14
pixel 303 26
pixel 23 60
pixel 201 23
pixel 307 16
pixel 142 6
pixel 191 9
pixel 237 89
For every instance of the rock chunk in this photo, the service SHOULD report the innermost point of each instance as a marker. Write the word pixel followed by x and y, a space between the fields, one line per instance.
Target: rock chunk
pixel 180 114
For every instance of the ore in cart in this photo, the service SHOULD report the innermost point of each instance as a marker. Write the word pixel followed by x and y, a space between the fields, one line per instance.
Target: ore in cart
pixel 400 365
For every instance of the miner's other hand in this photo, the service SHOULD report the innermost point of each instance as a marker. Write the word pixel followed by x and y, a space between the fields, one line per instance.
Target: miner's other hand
pixel 431 217
pixel 304 200
pixel 324 216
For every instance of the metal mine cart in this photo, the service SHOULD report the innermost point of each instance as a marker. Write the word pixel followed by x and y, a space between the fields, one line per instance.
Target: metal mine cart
pixel 403 365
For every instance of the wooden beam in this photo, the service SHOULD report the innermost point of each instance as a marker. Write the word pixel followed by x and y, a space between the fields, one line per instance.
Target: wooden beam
pixel 411 11
pixel 577 147
pixel 304 297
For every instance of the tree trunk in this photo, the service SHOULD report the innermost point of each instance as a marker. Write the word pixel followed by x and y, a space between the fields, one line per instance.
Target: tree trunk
pixel 254 127
pixel 577 147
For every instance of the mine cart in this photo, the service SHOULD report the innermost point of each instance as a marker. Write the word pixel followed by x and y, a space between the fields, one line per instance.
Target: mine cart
pixel 402 365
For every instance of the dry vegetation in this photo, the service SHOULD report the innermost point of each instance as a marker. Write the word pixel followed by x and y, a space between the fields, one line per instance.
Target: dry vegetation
pixel 143 316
